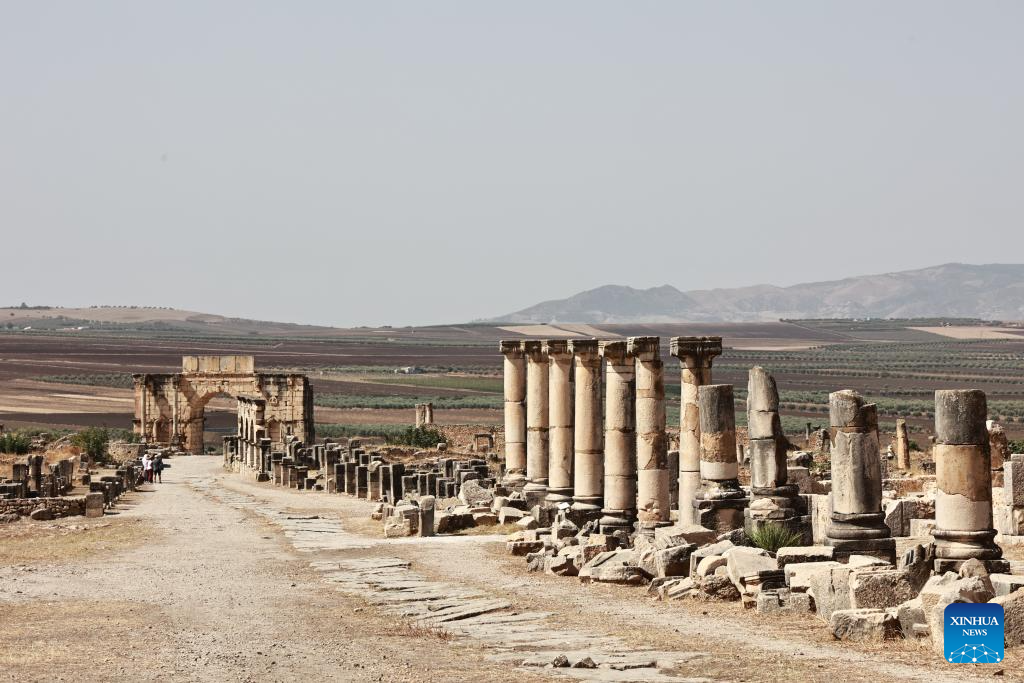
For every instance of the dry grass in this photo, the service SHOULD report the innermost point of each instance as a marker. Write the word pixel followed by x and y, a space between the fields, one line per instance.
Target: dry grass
pixel 494 529
pixel 412 629
pixel 72 538
pixel 71 636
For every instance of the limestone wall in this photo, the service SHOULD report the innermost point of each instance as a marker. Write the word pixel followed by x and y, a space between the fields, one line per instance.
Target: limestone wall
pixel 58 507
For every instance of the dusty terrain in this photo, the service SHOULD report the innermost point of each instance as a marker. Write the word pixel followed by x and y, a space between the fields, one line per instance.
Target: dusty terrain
pixel 205 578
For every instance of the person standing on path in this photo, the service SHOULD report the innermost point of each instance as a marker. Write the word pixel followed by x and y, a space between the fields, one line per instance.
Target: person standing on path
pixel 158 468
pixel 147 468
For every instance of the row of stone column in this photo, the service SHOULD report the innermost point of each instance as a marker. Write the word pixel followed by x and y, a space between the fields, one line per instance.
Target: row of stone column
pixel 564 447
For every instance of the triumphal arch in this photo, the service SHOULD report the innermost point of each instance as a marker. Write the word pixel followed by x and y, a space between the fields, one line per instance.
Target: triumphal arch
pixel 169 408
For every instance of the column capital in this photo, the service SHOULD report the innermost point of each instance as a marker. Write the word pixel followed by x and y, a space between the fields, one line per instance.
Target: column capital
pixel 584 348
pixel 696 351
pixel 534 349
pixel 644 348
pixel 614 351
pixel 556 347
pixel 509 347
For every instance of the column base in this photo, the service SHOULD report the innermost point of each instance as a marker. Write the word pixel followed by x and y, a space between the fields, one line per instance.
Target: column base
pixel 965 545
pixel 514 480
pixel 882 548
pixel 535 493
pixel 616 520
pixel 559 495
pixel 720 515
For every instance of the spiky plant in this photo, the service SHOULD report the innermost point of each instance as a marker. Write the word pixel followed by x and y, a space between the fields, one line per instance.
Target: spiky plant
pixel 771 537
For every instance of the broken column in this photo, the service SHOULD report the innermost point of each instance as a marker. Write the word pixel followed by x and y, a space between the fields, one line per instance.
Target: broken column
pixel 902 445
pixel 651 439
pixel 858 524
pixel 560 416
pixel 536 421
pixel 515 411
pixel 588 436
pixel 963 476
pixel 619 439
pixel 426 515
pixel 772 499
pixel 695 356
pixel 719 503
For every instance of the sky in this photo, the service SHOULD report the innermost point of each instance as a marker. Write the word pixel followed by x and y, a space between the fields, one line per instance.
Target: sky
pixel 378 162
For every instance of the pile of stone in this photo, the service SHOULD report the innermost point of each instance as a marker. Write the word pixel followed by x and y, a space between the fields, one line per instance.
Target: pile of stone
pixel 41 496
pixel 35 479
pixel 872 564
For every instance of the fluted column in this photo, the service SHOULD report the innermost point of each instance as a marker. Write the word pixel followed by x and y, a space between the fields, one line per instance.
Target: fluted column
pixel 515 411
pixel 536 417
pixel 560 416
pixel 695 356
pixel 963 464
pixel 588 437
pixel 858 523
pixel 619 439
pixel 651 439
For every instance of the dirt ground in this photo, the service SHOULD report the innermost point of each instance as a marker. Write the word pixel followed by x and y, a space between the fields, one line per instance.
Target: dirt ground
pixel 178 585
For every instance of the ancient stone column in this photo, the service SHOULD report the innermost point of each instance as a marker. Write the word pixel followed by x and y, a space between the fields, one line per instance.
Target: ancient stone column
pixel 963 476
pixel 651 439
pixel 695 356
pixel 588 435
pixel 858 523
pixel 428 413
pixel 536 420
pixel 560 416
pixel 619 438
pixel 515 411
pixel 773 500
pixel 426 516
pixel 902 445
pixel 719 503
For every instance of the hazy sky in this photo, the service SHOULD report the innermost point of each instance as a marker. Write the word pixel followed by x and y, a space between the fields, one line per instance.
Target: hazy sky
pixel 418 162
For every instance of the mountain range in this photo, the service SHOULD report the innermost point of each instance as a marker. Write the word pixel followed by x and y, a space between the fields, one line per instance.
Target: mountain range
pixel 952 290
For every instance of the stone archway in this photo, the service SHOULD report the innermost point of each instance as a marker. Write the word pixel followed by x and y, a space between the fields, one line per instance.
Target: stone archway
pixel 170 408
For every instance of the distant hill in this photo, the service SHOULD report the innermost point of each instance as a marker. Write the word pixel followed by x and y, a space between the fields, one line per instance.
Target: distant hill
pixel 953 290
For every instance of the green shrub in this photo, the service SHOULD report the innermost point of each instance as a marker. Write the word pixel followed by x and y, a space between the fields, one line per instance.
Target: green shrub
pixel 93 440
pixel 419 437
pixel 15 442
pixel 771 537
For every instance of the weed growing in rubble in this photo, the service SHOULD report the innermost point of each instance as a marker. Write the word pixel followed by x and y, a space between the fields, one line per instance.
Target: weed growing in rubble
pixel 771 537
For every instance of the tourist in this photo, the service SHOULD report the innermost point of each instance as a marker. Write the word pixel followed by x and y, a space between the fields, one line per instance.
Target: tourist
pixel 147 468
pixel 158 468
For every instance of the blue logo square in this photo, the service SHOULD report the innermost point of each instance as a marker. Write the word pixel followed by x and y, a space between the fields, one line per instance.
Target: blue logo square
pixel 973 633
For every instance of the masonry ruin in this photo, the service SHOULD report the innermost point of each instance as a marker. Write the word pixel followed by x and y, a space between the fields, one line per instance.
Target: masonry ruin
pixel 170 408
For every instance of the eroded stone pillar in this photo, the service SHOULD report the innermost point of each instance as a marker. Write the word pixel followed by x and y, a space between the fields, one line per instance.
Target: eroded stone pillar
pixel 515 411
pixel 619 438
pixel 588 435
pixel 963 476
pixel 719 503
pixel 651 439
pixel 773 500
pixel 902 445
pixel 858 523
pixel 695 356
pixel 560 418
pixel 536 419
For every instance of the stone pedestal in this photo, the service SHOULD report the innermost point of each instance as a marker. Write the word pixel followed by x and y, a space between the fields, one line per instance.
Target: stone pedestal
pixel 720 502
pixel 619 510
pixel 858 523
pixel 773 499
pixel 651 439
pixel 963 476
pixel 426 516
pixel 588 436
pixel 695 356
pixel 536 419
pixel 515 412
pixel 560 418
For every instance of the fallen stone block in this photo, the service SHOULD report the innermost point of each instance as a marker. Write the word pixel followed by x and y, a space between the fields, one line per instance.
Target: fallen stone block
pixel 1013 617
pixel 743 562
pixel 717 587
pixel 700 553
pixel 880 589
pixel 522 548
pixel 798 575
pixel 782 601
pixel 451 522
pixel 864 625
pixel 472 493
pixel 484 519
pixel 1004 584
pixel 527 523
pixel 510 515
pixel 708 565
pixel 41 514
pixel 804 554
pixel 912 618
pixel 398 528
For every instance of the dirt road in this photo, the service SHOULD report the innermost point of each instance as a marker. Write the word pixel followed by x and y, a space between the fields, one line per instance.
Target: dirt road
pixel 212 577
